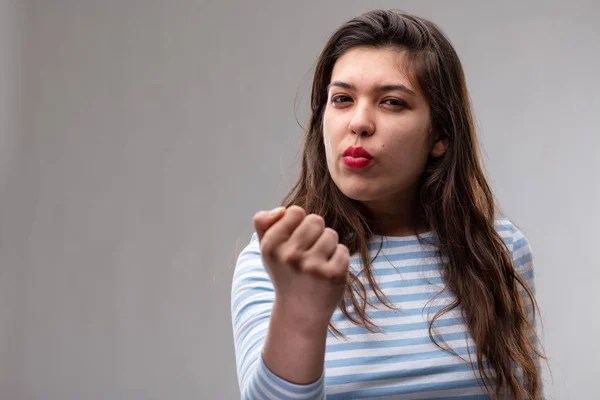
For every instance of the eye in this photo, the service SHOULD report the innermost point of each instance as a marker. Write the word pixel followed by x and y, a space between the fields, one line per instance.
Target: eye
pixel 340 99
pixel 395 103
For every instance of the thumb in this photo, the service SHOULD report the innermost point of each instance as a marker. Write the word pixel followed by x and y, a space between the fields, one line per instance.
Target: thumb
pixel 263 220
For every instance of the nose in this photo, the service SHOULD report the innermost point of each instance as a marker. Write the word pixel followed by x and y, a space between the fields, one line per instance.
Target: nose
pixel 362 122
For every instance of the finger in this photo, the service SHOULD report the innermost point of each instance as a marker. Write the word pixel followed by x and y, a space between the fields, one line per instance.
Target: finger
pixel 306 234
pixel 281 230
pixel 263 220
pixel 325 245
pixel 337 267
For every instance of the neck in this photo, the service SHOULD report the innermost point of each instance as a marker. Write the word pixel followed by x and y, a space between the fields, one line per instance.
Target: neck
pixel 395 218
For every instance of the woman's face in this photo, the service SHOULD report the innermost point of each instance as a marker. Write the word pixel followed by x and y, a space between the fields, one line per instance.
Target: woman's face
pixel 372 106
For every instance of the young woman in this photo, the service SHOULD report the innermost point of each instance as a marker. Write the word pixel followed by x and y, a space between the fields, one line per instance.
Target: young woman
pixel 387 273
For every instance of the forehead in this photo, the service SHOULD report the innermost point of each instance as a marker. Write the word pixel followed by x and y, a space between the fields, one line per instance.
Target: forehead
pixel 367 66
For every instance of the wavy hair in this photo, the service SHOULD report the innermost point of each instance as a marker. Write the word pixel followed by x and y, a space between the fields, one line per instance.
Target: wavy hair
pixel 455 202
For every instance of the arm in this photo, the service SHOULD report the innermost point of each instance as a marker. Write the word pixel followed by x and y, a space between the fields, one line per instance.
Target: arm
pixel 523 261
pixel 291 354
pixel 522 257
pixel 294 349
pixel 301 281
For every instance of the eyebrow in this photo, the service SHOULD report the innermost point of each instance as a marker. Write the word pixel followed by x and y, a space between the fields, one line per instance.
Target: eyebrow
pixel 380 88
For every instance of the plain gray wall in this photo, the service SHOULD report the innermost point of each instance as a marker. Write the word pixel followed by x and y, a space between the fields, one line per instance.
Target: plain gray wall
pixel 139 137
pixel 10 262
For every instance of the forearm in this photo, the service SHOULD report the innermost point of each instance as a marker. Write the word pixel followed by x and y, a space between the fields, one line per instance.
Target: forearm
pixel 294 349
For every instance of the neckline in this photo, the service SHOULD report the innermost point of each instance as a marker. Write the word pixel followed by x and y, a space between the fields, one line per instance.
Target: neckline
pixel 424 235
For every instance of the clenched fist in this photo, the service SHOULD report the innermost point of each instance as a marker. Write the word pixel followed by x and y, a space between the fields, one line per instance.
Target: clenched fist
pixel 307 265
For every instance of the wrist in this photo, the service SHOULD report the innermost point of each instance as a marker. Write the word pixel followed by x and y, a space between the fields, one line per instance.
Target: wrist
pixel 294 348
pixel 296 318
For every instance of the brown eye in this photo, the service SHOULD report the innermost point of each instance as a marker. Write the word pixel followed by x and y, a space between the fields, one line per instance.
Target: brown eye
pixel 395 103
pixel 340 99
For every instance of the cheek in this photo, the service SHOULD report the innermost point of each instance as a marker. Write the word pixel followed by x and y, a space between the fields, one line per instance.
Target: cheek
pixel 329 135
pixel 327 142
pixel 414 148
pixel 407 150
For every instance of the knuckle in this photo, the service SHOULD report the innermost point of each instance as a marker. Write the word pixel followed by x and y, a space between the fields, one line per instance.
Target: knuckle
pixel 292 255
pixel 343 262
pixel 296 211
pixel 316 220
pixel 341 272
pixel 310 266
pixel 332 233
pixel 329 267
pixel 344 250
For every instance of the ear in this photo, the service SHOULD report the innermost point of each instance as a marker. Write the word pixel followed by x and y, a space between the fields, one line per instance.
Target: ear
pixel 440 146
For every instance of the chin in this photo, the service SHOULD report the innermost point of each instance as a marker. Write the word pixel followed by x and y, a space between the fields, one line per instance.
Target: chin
pixel 357 192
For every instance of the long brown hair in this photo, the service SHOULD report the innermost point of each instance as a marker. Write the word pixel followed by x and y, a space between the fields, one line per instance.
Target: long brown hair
pixel 455 202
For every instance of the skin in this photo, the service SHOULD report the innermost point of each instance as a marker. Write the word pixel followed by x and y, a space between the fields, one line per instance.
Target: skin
pixel 306 263
pixel 392 124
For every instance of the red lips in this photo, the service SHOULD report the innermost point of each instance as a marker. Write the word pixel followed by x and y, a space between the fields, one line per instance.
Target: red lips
pixel 357 157
pixel 357 152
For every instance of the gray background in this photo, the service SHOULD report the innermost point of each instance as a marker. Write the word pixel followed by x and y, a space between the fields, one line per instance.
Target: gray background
pixel 137 139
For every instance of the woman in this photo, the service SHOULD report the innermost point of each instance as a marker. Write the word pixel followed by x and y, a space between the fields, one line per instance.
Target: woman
pixel 387 271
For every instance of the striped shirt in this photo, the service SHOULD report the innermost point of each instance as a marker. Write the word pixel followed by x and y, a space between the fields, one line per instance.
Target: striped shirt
pixel 400 361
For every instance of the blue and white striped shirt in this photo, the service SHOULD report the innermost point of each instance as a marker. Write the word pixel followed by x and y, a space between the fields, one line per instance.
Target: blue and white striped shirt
pixel 400 361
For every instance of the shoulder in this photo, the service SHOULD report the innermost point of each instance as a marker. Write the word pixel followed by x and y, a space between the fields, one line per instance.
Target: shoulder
pixel 516 241
pixel 249 259
pixel 514 237
pixel 249 270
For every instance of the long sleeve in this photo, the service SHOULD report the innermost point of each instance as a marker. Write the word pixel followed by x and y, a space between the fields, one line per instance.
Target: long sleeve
pixel 523 261
pixel 522 257
pixel 252 296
